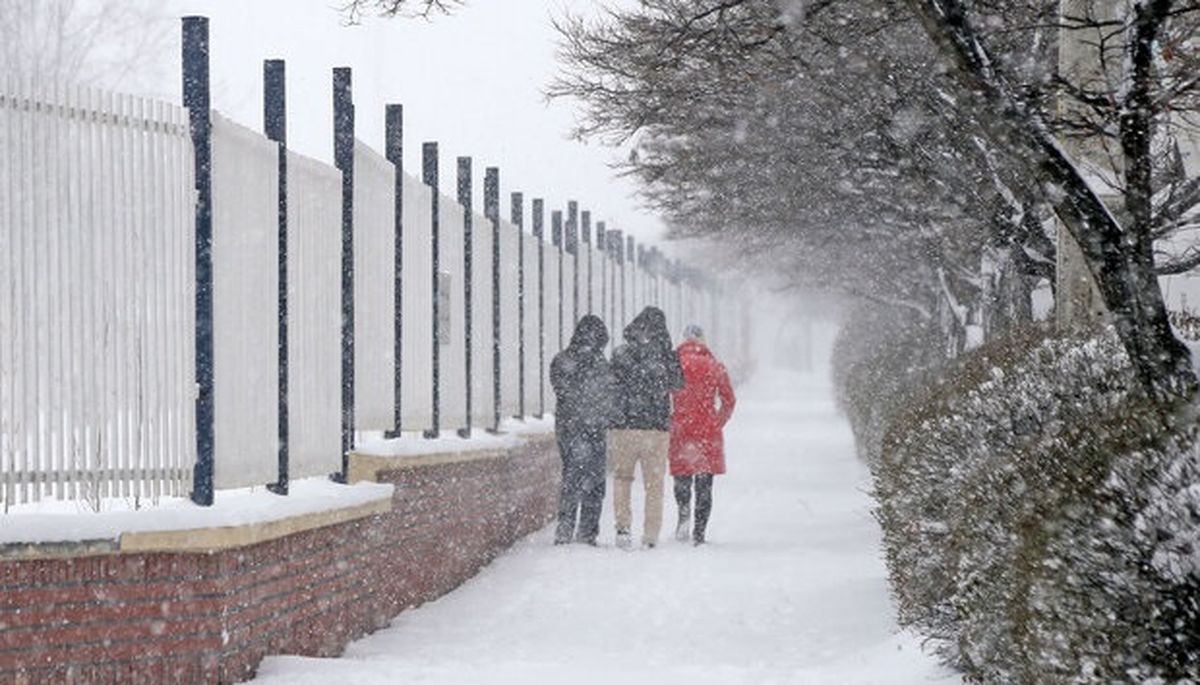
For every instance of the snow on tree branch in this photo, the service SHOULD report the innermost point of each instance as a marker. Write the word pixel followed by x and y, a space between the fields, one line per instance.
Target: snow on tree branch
pixel 354 10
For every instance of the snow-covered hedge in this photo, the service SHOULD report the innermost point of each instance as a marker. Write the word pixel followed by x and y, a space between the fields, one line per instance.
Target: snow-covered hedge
pixel 1040 523
pixel 878 359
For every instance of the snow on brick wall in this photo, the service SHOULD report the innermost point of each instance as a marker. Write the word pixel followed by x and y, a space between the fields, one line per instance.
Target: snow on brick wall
pixel 211 617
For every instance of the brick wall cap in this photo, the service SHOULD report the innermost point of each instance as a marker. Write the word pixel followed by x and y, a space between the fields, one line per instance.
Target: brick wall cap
pixel 65 528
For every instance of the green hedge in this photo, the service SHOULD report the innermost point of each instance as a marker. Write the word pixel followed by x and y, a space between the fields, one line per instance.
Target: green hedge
pixel 1039 522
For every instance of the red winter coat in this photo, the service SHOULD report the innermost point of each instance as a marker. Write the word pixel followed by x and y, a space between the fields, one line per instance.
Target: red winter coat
pixel 697 445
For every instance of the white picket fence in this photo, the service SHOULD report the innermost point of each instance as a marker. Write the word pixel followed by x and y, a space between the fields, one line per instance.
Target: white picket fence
pixel 97 288
pixel 98 303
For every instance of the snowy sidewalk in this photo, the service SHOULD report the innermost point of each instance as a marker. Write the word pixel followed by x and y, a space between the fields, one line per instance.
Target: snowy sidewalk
pixel 791 588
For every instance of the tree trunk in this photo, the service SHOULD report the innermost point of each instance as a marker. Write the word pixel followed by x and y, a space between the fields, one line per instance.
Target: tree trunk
pixel 1123 274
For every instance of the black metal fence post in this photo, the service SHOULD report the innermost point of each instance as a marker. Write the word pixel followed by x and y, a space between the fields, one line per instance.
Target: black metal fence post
pixel 652 270
pixel 616 247
pixel 275 127
pixel 491 209
pixel 465 199
pixel 601 250
pixel 610 252
pixel 626 275
pixel 429 173
pixel 665 296
pixel 639 266
pixel 556 235
pixel 394 149
pixel 197 99
pixel 671 299
pixel 539 233
pixel 662 266
pixel 573 250
pixel 715 311
pixel 517 216
pixel 585 230
pixel 664 284
pixel 343 157
pixel 651 274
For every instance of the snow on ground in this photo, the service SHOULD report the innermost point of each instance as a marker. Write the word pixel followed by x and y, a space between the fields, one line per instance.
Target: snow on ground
pixel 791 588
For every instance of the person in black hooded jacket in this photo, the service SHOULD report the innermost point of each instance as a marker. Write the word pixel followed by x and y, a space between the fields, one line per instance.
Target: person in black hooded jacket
pixel 586 407
pixel 647 370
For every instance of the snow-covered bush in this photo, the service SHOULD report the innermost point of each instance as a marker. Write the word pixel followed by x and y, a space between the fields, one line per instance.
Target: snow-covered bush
pixel 878 359
pixel 1040 522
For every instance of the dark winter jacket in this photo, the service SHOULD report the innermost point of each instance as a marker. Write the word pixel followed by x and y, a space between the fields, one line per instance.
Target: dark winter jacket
pixel 647 370
pixel 583 382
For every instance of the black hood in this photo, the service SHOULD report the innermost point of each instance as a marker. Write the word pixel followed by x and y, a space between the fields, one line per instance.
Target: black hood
pixel 649 326
pixel 590 332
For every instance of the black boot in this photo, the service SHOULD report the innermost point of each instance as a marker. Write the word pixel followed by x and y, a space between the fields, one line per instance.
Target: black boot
pixel 683 529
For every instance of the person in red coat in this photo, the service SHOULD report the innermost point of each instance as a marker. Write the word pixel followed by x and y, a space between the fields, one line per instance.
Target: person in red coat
pixel 697 453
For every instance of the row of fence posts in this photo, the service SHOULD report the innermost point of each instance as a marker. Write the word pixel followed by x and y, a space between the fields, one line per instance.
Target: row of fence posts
pixel 616 248
pixel 94 433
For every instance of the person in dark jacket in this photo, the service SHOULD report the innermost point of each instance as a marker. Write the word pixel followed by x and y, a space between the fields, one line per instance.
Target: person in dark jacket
pixel 586 407
pixel 647 371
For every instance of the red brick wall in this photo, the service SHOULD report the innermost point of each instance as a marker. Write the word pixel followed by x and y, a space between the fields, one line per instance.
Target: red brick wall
pixel 212 617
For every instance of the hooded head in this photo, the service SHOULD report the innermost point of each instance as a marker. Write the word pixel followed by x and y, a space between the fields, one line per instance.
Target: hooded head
pixel 649 326
pixel 694 333
pixel 590 332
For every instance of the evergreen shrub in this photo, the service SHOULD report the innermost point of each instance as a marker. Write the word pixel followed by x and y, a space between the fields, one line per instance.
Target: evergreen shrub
pixel 1041 522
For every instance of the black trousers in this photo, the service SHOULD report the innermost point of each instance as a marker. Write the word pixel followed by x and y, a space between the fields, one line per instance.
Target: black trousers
pixel 703 483
pixel 581 497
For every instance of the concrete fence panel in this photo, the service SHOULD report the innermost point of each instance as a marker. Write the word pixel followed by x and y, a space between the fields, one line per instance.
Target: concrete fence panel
pixel 245 173
pixel 314 312
pixel 417 281
pixel 374 289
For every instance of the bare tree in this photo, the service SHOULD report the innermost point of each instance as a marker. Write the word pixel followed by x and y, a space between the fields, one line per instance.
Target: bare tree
pixel 95 42
pixel 354 10
pixel 1119 252
pixel 827 120
pixel 829 144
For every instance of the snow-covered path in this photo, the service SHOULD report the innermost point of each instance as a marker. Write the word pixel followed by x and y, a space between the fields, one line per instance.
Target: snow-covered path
pixel 791 588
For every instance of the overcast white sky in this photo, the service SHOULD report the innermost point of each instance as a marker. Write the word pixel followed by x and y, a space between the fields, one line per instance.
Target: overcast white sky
pixel 472 81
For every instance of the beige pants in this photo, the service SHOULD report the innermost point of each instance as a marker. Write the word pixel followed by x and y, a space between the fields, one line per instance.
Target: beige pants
pixel 627 449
